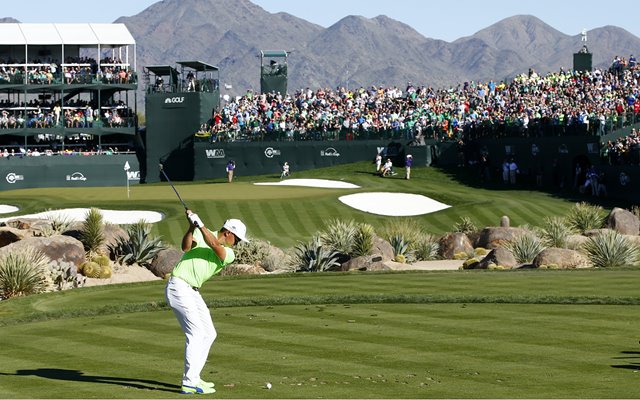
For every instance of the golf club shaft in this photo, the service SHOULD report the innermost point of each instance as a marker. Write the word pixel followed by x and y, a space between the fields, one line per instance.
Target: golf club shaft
pixel 173 187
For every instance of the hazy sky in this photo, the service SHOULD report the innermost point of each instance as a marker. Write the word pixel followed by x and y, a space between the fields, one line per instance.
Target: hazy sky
pixel 444 19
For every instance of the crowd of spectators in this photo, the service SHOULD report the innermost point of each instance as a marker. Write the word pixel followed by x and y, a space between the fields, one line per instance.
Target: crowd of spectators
pixel 74 114
pixel 558 103
pixel 625 150
pixel 75 70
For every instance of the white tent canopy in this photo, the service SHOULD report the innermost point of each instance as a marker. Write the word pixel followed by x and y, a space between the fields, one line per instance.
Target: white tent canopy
pixel 57 34
pixel 101 36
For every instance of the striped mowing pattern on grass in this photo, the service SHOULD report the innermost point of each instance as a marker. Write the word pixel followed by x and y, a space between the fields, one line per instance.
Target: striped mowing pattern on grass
pixel 337 351
pixel 286 215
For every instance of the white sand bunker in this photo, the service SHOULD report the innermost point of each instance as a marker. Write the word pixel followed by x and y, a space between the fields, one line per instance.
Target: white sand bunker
pixel 393 204
pixel 5 209
pixel 319 183
pixel 110 216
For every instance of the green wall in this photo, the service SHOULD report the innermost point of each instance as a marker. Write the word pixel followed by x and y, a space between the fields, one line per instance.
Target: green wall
pixel 68 171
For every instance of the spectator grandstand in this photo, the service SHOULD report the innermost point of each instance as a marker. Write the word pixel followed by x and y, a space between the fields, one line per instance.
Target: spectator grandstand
pixel 562 103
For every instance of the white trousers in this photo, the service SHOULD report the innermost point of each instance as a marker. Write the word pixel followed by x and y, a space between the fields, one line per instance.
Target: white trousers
pixel 194 318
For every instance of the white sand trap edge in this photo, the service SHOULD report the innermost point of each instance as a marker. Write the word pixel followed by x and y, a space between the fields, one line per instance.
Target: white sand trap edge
pixel 393 204
pixel 6 209
pixel 319 183
pixel 110 216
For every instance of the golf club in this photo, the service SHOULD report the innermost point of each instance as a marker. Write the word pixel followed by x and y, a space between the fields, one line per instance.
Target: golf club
pixel 173 187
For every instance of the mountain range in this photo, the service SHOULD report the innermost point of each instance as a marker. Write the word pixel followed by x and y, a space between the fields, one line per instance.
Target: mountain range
pixel 355 51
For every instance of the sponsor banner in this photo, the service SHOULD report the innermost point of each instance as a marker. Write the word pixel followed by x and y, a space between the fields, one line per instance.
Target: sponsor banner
pixel 214 153
pixel 329 152
pixel 12 177
pixel 133 175
pixel 270 152
pixel 76 176
pixel 174 102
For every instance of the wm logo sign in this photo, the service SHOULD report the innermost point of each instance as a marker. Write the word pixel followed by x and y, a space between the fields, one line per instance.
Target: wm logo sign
pixel 133 175
pixel 215 153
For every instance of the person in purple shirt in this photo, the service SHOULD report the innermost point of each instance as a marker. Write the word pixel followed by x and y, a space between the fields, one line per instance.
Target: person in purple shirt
pixel 407 165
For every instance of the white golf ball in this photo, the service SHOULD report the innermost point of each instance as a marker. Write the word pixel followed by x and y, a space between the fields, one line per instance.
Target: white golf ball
pixel 268 385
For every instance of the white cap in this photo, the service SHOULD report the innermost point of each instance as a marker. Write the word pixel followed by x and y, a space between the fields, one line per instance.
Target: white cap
pixel 236 227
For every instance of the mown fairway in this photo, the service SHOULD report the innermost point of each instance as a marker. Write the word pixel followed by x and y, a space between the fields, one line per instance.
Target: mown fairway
pixel 521 334
pixel 285 215
pixel 462 334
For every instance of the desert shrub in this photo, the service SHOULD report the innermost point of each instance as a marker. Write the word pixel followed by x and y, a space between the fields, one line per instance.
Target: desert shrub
pixel 139 247
pixel 525 246
pixel 406 228
pixel 363 240
pixel 339 235
pixel 611 249
pixel 555 232
pixel 251 253
pixel 465 225
pixel 583 217
pixel 58 224
pixel 426 248
pixel 313 256
pixel 92 231
pixel 636 211
pixel 23 272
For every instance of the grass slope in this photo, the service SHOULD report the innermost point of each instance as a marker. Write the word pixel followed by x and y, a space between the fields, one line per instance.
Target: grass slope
pixel 285 215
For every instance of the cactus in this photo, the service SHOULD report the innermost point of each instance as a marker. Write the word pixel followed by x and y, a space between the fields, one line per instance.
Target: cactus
pixel 105 271
pixel 400 258
pixel 102 260
pixel 90 269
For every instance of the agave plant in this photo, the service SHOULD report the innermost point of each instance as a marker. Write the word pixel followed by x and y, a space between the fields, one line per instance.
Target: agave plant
pixel 314 257
pixel 465 225
pixel 525 246
pixel 139 247
pixel 363 240
pixel 23 272
pixel 555 232
pixel 339 235
pixel 92 233
pixel 58 224
pixel 611 249
pixel 426 248
pixel 402 247
pixel 583 217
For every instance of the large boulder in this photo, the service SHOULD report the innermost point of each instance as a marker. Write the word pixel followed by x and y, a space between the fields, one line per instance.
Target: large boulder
pixel 499 257
pixel 553 257
pixel 575 242
pixel 623 221
pixel 163 263
pixel 362 263
pixel 454 243
pixel 383 248
pixel 494 237
pixel 59 247
pixel 10 235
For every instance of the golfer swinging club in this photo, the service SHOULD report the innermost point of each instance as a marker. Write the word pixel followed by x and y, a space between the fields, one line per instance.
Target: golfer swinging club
pixel 206 253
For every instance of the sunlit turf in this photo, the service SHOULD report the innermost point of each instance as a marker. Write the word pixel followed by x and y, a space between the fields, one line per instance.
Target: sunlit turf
pixel 286 215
